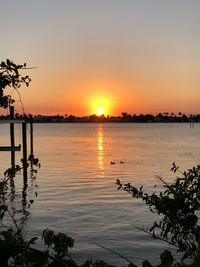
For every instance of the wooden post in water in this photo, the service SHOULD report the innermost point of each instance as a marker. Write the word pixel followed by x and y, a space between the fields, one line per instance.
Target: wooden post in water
pixel 191 121
pixel 31 142
pixel 24 143
pixel 12 136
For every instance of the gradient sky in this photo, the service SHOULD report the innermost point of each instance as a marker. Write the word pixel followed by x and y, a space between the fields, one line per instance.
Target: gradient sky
pixel 138 56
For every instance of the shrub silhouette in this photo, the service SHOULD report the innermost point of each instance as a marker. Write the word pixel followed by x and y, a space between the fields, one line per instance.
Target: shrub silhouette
pixel 179 206
pixel 10 76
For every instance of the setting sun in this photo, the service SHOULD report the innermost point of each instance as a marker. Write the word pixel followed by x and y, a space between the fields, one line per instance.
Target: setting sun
pixel 100 111
pixel 100 105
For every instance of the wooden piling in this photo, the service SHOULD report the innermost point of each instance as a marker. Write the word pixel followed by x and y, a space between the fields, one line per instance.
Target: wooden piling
pixel 191 121
pixel 31 138
pixel 24 144
pixel 31 143
pixel 12 137
pixel 12 148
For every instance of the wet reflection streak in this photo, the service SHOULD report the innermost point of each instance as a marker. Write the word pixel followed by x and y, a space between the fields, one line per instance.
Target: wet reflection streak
pixel 100 153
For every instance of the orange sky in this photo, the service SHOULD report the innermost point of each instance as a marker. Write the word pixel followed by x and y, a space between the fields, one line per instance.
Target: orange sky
pixel 123 56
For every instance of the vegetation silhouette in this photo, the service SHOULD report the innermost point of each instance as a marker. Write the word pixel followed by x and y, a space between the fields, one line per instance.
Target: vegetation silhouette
pixel 124 118
pixel 10 77
pixel 179 206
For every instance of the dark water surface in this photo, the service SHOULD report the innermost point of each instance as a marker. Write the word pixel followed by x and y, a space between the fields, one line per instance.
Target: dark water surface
pixel 77 192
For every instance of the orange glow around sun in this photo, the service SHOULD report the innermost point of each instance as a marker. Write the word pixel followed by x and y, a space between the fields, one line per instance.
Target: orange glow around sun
pixel 99 97
pixel 100 106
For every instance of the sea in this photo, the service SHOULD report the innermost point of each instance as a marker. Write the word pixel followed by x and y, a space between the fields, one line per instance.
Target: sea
pixel 75 189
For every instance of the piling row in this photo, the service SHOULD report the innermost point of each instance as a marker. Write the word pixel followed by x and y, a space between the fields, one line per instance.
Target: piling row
pixel 12 148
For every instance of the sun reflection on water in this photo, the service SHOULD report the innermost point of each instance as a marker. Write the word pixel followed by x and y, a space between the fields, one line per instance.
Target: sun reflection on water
pixel 100 151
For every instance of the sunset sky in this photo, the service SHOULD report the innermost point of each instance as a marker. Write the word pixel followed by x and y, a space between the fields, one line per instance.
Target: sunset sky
pixel 135 56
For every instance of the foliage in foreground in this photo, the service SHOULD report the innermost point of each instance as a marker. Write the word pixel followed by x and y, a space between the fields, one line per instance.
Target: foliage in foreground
pixel 179 207
pixel 10 77
pixel 15 251
pixel 178 204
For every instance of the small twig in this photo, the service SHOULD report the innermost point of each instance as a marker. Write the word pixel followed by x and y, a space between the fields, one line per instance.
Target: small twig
pixel 161 179
pixel 116 253
pixel 155 237
pixel 29 68
pixel 14 220
pixel 20 99
pixel 162 239
pixel 22 68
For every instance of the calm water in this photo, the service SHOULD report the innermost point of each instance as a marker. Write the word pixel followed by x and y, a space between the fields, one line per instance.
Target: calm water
pixel 77 192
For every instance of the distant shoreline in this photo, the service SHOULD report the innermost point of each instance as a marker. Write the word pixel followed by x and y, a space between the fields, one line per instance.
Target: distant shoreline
pixel 110 122
pixel 104 122
pixel 124 118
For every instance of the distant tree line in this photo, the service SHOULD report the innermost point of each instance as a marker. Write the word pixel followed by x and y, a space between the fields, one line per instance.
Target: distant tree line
pixel 124 118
